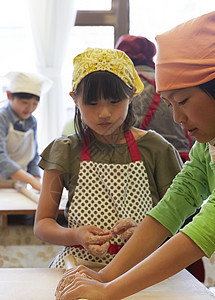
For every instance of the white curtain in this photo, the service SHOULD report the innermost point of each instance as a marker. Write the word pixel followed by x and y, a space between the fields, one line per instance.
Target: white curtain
pixel 51 22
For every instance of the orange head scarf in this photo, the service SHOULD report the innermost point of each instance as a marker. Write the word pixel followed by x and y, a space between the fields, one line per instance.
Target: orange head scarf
pixel 186 54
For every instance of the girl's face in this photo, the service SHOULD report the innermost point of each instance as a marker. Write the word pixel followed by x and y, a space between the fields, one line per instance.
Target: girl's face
pixel 104 117
pixel 194 110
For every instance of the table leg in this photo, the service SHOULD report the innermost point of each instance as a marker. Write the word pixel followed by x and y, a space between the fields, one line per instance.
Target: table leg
pixel 3 221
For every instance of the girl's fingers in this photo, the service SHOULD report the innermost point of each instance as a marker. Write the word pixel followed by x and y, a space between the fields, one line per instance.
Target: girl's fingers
pixel 99 250
pixel 128 233
pixel 123 225
pixel 100 239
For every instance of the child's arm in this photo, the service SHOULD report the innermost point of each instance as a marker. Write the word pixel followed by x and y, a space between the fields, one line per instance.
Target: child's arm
pixel 46 227
pixel 33 167
pixel 26 177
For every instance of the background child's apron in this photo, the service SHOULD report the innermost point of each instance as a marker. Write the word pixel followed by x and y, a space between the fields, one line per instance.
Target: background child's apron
pixel 106 193
pixel 152 110
pixel 20 146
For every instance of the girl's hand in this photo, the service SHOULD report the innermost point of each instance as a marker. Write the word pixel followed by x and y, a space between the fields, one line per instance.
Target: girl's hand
pixel 125 228
pixel 94 240
pixel 99 250
pixel 82 287
pixel 70 274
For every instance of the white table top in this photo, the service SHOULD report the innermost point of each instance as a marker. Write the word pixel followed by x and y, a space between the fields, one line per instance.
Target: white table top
pixel 34 284
pixel 11 200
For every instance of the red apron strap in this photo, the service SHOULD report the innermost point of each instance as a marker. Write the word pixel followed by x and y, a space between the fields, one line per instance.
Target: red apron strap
pixel 185 154
pixel 132 145
pixel 152 107
pixel 113 248
pixel 85 149
pixel 150 113
pixel 189 139
pixel 148 79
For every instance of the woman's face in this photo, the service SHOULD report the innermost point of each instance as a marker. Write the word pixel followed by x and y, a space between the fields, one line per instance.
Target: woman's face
pixel 194 110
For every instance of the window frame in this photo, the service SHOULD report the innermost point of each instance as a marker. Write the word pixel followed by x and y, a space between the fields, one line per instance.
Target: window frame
pixel 117 16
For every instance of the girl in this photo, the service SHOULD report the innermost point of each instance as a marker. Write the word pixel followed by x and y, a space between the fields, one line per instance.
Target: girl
pixel 114 173
pixel 185 76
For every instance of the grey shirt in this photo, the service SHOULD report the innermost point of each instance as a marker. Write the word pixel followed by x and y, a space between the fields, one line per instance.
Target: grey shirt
pixel 162 121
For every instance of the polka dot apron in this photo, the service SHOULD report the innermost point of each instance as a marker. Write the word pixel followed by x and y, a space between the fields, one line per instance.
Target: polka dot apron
pixel 106 193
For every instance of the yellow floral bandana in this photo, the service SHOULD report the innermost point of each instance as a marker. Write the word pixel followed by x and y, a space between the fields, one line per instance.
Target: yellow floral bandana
pixel 114 61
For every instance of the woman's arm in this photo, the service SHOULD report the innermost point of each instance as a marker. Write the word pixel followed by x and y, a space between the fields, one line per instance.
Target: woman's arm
pixel 148 236
pixel 176 254
pixel 179 252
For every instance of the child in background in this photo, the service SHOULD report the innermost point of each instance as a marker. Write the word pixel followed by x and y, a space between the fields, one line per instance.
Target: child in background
pixel 18 128
pixel 150 111
pixel 114 172
pixel 185 78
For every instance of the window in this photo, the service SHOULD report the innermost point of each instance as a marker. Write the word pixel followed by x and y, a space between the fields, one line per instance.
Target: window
pixel 16 51
pixel 89 33
pixel 99 23
pixel 149 18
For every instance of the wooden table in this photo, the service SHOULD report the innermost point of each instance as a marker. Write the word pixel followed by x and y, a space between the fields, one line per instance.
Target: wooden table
pixel 14 203
pixel 40 284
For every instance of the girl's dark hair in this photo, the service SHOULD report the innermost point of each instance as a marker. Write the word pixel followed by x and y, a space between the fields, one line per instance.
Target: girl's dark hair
pixel 208 87
pixel 102 84
pixel 25 96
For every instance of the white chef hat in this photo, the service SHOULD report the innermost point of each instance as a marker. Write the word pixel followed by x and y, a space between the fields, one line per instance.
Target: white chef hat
pixel 21 82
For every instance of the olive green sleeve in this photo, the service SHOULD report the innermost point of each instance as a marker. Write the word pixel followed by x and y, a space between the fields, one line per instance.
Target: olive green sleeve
pixel 59 155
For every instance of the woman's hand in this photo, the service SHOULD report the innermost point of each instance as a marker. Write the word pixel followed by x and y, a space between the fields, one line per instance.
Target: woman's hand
pixel 70 275
pixel 80 286
pixel 94 240
pixel 125 228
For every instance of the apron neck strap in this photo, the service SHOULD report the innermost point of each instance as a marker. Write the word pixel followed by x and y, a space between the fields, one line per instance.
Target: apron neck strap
pixel 85 149
pixel 132 145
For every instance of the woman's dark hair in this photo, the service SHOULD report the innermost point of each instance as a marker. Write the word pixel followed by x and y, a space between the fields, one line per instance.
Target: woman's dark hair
pixel 25 96
pixel 208 87
pixel 102 84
